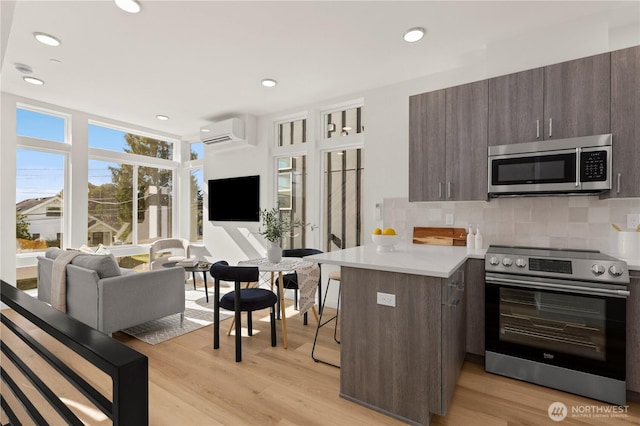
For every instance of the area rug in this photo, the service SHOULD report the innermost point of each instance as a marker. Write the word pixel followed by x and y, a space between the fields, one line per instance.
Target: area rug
pixel 197 314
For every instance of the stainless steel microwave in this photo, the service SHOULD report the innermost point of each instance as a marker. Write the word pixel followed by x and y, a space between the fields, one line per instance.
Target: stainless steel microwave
pixel 563 166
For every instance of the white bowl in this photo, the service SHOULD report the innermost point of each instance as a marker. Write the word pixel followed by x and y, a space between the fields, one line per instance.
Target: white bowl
pixel 385 242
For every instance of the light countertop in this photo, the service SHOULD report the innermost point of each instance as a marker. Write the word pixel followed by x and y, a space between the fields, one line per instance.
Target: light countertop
pixel 417 259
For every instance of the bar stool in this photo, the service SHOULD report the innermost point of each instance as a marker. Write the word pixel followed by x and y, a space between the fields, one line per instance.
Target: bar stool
pixel 333 276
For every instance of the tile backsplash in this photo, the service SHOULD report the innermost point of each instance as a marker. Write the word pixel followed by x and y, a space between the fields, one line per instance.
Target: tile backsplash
pixel 580 222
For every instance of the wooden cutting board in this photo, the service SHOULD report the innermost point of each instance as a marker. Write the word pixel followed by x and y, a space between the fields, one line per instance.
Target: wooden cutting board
pixel 440 236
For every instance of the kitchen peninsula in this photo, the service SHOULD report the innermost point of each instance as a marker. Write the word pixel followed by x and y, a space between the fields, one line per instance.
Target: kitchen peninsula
pixel 403 326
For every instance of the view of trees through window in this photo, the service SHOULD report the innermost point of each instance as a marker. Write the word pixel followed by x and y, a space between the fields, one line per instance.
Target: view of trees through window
pixel 114 205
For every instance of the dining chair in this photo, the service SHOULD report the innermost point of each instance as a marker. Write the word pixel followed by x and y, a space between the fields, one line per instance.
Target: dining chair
pixel 290 281
pixel 240 300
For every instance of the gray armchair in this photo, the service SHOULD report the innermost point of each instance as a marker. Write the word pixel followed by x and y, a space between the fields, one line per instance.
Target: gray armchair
pixel 108 298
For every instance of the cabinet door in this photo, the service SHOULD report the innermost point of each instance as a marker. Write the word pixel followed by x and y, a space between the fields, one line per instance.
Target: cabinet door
pixel 390 356
pixel 426 146
pixel 515 107
pixel 466 147
pixel 454 325
pixel 577 97
pixel 475 306
pixel 625 122
pixel 633 333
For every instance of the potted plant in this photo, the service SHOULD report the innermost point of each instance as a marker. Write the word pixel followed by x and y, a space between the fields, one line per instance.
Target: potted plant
pixel 276 226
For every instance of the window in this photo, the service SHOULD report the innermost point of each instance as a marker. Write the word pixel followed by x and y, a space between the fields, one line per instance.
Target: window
pixel 40 125
pixel 196 194
pixel 292 132
pixel 292 179
pixel 197 150
pixel 344 123
pixel 343 199
pixel 120 141
pixel 155 204
pixel 39 199
pixel 110 203
pixel 54 212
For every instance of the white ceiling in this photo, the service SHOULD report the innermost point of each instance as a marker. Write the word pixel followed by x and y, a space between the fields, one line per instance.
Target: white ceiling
pixel 200 61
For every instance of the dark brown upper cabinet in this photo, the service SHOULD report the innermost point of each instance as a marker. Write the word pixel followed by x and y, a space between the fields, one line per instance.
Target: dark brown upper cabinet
pixel 564 100
pixel 516 107
pixel 427 146
pixel 625 123
pixel 577 97
pixel 466 142
pixel 448 144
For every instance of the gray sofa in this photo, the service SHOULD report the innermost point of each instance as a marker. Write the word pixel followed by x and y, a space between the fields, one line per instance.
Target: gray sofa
pixel 109 298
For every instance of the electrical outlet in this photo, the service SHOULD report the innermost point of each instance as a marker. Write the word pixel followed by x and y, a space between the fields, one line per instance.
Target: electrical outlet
pixel 633 220
pixel 387 299
pixel 448 219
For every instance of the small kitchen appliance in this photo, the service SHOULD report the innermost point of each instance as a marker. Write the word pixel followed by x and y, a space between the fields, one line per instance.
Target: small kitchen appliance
pixel 557 318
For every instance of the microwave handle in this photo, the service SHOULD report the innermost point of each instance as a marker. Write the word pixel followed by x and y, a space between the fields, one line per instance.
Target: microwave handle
pixel 578 151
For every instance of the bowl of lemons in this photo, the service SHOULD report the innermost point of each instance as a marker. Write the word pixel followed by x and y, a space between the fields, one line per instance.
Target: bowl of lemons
pixel 385 239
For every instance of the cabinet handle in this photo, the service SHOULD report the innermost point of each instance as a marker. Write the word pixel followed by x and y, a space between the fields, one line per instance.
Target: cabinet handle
pixel 550 127
pixel 454 304
pixel 618 175
pixel 578 151
pixel 448 189
pixel 439 189
pixel 537 129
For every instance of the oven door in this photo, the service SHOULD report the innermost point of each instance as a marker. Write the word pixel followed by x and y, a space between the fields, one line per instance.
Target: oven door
pixel 534 172
pixel 575 328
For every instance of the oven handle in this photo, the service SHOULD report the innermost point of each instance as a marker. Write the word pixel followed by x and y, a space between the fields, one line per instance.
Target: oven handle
pixel 568 288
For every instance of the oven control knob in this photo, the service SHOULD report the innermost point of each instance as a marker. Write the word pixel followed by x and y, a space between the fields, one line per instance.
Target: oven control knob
pixel 597 269
pixel 494 260
pixel 507 261
pixel 616 270
pixel 521 263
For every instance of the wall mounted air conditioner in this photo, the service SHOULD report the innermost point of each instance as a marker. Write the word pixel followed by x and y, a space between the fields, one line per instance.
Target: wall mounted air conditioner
pixel 224 132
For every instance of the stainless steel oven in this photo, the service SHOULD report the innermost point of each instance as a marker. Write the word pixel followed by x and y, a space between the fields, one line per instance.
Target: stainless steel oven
pixel 557 318
pixel 575 165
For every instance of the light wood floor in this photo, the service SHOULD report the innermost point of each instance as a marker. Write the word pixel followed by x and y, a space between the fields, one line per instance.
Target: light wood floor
pixel 192 384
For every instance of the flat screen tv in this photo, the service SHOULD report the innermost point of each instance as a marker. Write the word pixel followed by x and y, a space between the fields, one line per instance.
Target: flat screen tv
pixel 235 199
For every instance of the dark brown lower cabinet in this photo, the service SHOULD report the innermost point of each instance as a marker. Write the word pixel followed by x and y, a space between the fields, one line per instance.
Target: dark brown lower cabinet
pixel 404 360
pixel 475 306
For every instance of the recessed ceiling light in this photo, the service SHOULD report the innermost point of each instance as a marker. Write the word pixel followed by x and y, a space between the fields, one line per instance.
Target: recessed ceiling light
pixel 23 68
pixel 269 82
pixel 131 6
pixel 162 117
pixel 33 80
pixel 47 39
pixel 414 34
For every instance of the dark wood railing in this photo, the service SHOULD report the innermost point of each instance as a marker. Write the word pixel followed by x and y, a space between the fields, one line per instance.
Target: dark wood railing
pixel 127 368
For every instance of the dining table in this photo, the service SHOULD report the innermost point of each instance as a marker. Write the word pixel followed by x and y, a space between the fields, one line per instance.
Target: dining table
pixel 286 264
